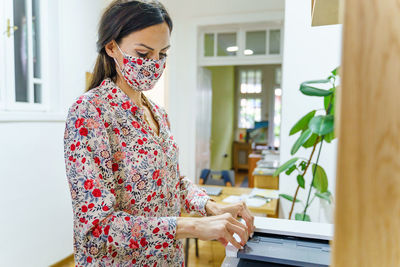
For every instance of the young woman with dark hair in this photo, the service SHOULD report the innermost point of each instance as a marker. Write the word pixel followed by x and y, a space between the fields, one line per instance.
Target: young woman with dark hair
pixel 121 158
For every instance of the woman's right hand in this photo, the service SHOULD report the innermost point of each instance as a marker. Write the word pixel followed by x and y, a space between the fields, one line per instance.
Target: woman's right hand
pixel 220 227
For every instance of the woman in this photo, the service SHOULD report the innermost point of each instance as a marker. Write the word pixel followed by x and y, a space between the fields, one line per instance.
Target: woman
pixel 121 158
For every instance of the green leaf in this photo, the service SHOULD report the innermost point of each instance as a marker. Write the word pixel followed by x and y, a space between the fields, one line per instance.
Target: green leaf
pixel 322 125
pixel 300 141
pixel 290 198
pixel 285 166
pixel 320 181
pixel 326 196
pixel 300 217
pixel 335 71
pixel 313 91
pixel 300 181
pixel 310 142
pixel 290 170
pixel 303 165
pixel 326 102
pixel 302 124
pixel 330 136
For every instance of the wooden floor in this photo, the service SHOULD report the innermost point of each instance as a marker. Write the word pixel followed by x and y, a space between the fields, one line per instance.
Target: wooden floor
pixel 211 253
pixel 239 177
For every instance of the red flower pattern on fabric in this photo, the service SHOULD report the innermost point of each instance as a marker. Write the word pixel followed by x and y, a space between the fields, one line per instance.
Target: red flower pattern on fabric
pixel 125 183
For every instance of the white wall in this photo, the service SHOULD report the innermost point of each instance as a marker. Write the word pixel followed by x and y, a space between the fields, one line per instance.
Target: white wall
pixel 36 211
pixel 309 53
pixel 182 81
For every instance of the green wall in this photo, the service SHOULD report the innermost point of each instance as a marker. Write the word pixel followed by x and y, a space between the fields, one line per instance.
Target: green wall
pixel 222 121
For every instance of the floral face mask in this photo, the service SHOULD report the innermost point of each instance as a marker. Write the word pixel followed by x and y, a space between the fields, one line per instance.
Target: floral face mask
pixel 141 73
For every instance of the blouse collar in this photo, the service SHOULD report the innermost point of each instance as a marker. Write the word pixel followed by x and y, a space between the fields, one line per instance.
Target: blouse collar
pixel 116 95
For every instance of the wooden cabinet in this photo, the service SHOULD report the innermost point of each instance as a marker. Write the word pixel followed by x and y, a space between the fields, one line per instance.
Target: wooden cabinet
pixel 266 181
pixel 253 158
pixel 241 151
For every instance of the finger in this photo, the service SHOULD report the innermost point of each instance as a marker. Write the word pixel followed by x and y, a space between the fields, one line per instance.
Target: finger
pixel 234 221
pixel 240 231
pixel 248 218
pixel 232 240
pixel 223 241
pixel 252 221
pixel 241 225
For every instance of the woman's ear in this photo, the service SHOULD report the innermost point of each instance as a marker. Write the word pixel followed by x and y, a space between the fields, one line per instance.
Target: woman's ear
pixel 113 52
pixel 111 49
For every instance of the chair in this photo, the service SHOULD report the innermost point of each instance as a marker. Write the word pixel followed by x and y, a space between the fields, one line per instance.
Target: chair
pixel 221 178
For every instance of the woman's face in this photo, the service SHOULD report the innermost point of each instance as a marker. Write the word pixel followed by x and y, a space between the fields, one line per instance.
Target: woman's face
pixel 151 42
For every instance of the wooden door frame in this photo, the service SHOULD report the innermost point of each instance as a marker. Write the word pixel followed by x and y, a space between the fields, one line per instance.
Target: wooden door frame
pixel 367 213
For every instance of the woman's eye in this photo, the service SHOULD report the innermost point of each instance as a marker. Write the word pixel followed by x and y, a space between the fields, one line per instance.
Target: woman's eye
pixel 141 54
pixel 162 55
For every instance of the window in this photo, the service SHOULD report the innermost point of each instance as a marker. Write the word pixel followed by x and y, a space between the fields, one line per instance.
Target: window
pixel 277 116
pixel 209 45
pixel 236 44
pixel 274 42
pixel 24 87
pixel 226 44
pixel 255 43
pixel 259 101
pixel 250 98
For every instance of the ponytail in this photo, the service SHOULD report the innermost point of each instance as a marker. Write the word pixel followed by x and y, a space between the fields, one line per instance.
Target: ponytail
pixel 103 68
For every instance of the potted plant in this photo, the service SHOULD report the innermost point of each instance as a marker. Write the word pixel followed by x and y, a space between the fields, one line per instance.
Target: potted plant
pixel 315 128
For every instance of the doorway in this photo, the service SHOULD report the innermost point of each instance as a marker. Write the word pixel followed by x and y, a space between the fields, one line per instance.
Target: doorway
pixel 238 105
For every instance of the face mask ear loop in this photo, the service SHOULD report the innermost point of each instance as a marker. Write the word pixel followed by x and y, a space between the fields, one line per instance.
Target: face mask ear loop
pixel 119 67
pixel 123 54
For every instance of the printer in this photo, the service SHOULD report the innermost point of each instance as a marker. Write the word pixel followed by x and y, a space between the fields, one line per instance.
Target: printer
pixel 281 242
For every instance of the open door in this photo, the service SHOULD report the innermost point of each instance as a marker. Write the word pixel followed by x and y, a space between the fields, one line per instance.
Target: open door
pixel 203 120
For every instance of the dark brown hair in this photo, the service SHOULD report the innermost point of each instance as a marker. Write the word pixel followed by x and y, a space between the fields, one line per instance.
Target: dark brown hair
pixel 121 18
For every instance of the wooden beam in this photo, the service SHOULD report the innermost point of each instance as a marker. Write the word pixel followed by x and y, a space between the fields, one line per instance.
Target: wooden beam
pixel 367 213
pixel 325 12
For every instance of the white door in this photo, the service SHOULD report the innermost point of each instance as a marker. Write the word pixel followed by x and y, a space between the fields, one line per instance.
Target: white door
pixel 22 35
pixel 203 120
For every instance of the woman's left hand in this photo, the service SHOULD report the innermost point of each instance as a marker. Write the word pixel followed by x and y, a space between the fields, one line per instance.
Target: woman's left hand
pixel 237 209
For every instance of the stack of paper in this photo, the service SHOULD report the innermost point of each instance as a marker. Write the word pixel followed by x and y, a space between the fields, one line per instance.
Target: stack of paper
pixel 256 198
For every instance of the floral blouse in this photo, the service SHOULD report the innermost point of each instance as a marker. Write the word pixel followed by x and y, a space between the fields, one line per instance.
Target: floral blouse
pixel 125 184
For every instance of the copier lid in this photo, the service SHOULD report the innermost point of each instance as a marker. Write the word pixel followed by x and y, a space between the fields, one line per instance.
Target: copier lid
pixel 323 231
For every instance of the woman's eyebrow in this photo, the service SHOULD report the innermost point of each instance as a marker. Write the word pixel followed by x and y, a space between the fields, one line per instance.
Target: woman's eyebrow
pixel 153 48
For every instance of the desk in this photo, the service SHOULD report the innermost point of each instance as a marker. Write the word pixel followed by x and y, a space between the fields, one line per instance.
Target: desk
pixel 271 209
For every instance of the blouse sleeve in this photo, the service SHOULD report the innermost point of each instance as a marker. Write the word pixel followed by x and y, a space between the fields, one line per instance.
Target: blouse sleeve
pixel 100 228
pixel 193 198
